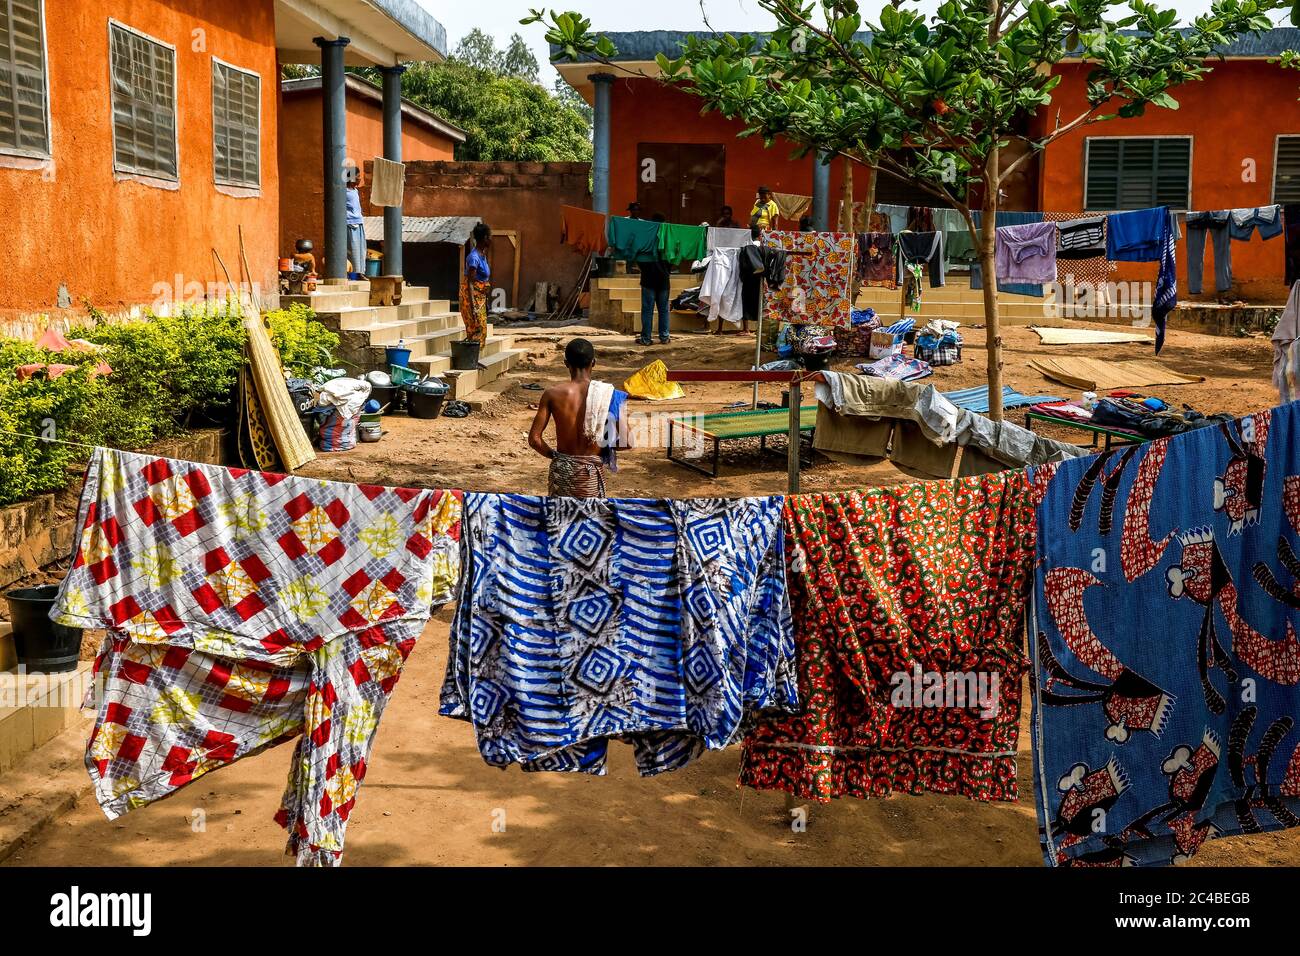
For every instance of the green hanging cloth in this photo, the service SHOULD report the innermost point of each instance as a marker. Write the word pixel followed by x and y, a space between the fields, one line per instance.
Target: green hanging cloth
pixel 683 243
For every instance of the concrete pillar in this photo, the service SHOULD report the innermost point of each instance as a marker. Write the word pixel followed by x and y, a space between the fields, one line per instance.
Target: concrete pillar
pixel 334 137
pixel 393 151
pixel 821 207
pixel 604 83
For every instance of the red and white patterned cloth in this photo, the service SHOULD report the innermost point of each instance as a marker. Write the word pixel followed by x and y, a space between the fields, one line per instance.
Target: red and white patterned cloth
pixel 244 609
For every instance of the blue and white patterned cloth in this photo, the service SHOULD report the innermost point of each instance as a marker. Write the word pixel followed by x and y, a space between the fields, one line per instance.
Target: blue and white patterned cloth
pixel 1166 668
pixel 663 623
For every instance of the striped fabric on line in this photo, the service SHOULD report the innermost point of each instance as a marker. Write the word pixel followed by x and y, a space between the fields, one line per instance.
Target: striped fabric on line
pixel 666 624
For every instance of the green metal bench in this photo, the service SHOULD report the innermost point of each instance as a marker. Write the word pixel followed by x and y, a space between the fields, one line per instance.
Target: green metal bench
pixel 733 426
pixel 1112 436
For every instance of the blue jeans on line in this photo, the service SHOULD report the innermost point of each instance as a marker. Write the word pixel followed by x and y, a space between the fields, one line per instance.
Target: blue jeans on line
pixel 650 298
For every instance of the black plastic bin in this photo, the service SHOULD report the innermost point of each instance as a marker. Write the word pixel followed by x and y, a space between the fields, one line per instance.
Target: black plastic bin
pixel 424 404
pixel 43 646
pixel 464 355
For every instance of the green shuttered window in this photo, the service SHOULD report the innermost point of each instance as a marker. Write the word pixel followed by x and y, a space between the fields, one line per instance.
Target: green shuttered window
pixel 1286 173
pixel 1137 173
pixel 144 104
pixel 24 123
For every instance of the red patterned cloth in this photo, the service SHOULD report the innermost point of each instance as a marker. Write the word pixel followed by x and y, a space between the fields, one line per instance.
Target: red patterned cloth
pixel 245 609
pixel 891 587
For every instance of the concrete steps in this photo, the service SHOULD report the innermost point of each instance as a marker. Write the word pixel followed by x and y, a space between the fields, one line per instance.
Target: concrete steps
pixel 616 304
pixel 427 327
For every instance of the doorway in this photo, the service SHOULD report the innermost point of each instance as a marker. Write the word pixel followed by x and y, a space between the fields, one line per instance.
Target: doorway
pixel 682 181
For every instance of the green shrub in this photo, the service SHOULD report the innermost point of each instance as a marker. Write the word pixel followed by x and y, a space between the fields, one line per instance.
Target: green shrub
pixel 303 343
pixel 166 371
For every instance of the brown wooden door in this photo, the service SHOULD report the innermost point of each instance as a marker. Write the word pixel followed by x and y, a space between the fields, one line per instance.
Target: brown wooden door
pixel 682 181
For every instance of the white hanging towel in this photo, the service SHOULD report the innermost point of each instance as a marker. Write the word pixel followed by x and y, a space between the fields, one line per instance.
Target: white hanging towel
pixel 720 290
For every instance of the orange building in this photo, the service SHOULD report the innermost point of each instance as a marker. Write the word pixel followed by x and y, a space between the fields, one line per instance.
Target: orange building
pixel 1235 142
pixel 302 181
pixel 136 136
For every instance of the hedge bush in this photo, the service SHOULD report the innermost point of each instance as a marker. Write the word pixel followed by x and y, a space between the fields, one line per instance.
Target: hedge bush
pixel 169 372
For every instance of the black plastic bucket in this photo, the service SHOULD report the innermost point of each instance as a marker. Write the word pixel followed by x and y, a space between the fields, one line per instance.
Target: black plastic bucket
pixel 464 355
pixel 43 646
pixel 424 404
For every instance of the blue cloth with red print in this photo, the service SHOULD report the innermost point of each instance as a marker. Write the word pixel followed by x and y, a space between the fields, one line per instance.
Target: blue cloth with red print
pixel 1166 666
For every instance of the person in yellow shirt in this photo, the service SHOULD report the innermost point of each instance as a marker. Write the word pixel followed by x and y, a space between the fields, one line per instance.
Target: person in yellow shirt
pixel 765 210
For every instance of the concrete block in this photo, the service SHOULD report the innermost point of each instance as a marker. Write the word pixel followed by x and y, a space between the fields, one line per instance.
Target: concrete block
pixel 8 652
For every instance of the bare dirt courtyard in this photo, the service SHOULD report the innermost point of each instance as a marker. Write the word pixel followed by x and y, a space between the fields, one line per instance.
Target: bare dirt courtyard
pixel 430 799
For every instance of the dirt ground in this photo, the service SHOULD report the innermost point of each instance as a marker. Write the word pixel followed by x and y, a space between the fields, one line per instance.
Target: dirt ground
pixel 430 799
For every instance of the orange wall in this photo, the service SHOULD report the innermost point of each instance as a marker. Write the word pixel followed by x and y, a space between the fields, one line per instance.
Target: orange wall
pixel 1235 114
pixel 645 111
pixel 302 191
pixel 111 240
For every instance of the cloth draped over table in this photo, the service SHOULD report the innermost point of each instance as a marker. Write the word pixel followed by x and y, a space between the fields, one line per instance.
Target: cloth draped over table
pixel 662 623
pixel 861 419
pixel 817 282
pixel 1145 748
pixel 583 229
pixel 894 590
pixel 244 609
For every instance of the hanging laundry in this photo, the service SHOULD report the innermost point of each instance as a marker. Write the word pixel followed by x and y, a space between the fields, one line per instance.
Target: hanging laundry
pixel 662 623
pixel 721 289
pixel 1291 222
pixel 728 238
pixel 1147 235
pixel 1217 224
pixel 244 609
pixel 1026 254
pixel 908 619
pixel 633 240
pixel 791 207
pixel 877 260
pixel 920 219
pixel 583 229
pixel 1007 219
pixel 1145 749
pixel 758 264
pixel 898 216
pixel 682 243
pixel 822 271
pixel 921 248
pixel 1267 219
pixel 1286 349
pixel 1082 270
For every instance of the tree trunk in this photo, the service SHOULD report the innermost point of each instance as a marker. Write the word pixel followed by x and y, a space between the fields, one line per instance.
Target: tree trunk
pixel 988 265
pixel 846 198
pixel 868 203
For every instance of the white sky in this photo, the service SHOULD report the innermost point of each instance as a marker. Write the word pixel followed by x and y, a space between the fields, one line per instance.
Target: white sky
pixel 501 17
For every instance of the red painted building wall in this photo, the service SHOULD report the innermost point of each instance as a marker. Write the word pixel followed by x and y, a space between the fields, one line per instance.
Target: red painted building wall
pixel 646 111
pixel 302 177
pixel 110 239
pixel 1234 116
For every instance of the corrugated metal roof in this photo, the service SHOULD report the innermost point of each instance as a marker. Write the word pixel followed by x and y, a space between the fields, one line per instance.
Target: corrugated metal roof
pixel 453 229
